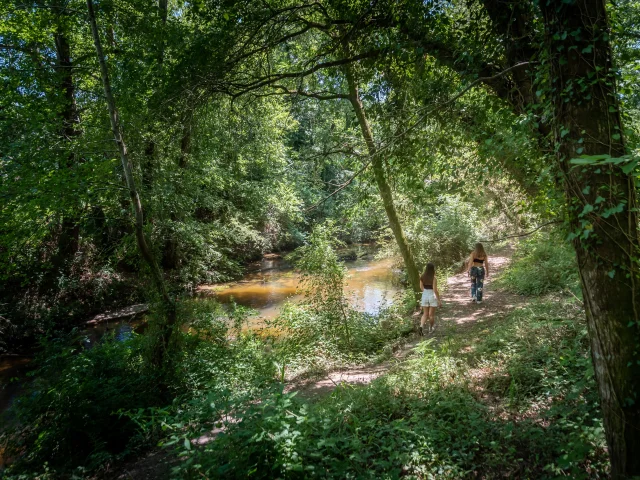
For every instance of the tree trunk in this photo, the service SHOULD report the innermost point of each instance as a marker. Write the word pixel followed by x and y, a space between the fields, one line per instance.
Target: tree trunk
pixel 143 246
pixel 602 209
pixel 383 186
pixel 68 241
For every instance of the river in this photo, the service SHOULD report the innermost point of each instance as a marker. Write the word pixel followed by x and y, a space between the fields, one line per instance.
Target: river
pixel 370 285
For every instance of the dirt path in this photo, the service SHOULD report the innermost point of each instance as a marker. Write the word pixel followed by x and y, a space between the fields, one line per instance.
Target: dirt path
pixel 457 312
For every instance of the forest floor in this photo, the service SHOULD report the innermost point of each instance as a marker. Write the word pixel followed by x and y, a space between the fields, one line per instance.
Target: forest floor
pixel 458 314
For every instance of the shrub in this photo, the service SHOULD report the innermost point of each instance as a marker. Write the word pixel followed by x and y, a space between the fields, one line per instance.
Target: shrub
pixel 68 415
pixel 446 236
pixel 324 330
pixel 542 264
pixel 431 417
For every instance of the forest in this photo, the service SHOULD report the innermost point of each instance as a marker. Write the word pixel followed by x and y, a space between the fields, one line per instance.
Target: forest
pixel 215 216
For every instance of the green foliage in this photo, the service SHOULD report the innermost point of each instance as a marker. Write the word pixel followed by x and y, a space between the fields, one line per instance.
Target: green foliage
pixel 68 415
pixel 446 236
pixel 219 354
pixel 448 412
pixel 324 329
pixel 442 233
pixel 543 263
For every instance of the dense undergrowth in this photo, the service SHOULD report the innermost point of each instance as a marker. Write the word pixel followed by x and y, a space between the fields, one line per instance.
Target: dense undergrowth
pixel 511 396
pixel 92 407
pixel 516 399
pixel 543 263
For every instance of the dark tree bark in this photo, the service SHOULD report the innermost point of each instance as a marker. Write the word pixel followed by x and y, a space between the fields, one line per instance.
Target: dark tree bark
pixel 143 246
pixel 587 121
pixel 381 180
pixel 68 241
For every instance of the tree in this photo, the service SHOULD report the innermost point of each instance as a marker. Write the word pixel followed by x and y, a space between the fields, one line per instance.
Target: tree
pixel 583 118
pixel 143 244
pixel 602 210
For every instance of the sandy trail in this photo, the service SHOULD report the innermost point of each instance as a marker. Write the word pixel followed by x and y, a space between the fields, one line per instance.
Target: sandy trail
pixel 457 312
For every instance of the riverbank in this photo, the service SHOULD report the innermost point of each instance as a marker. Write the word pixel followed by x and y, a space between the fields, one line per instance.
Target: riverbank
pixel 501 389
pixel 506 382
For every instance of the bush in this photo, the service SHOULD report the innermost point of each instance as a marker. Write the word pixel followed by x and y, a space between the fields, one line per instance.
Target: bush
pixel 447 236
pixel 324 330
pixel 216 353
pixel 435 417
pixel 68 416
pixel 542 264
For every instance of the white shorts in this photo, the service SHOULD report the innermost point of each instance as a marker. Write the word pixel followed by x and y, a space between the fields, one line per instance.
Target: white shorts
pixel 429 298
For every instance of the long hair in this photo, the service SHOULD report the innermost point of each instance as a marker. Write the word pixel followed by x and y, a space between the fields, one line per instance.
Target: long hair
pixel 429 273
pixel 479 252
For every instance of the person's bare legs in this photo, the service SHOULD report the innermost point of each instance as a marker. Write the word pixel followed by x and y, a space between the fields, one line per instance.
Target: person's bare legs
pixel 432 318
pixel 423 320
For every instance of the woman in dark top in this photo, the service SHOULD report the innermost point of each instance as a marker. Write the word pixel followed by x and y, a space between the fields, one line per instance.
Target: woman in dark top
pixel 478 268
pixel 430 297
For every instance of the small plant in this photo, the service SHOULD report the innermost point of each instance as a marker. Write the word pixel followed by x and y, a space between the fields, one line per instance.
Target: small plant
pixel 542 264
pixel 68 414
pixel 324 330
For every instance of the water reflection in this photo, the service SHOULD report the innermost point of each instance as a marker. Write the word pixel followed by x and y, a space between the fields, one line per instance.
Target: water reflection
pixel 370 285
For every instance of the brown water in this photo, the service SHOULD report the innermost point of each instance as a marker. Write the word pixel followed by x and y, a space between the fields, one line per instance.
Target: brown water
pixel 371 285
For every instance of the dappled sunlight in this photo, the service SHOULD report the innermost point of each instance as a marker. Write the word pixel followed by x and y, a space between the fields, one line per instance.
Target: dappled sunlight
pixel 458 308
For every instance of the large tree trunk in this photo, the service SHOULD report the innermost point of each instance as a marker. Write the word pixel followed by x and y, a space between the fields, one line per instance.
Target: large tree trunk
pixel 143 246
pixel 385 191
pixel 69 231
pixel 602 208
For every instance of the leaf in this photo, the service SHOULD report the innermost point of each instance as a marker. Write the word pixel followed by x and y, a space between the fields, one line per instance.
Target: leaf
pixel 582 161
pixel 611 273
pixel 187 444
pixel 587 49
pixel 629 167
pixel 613 210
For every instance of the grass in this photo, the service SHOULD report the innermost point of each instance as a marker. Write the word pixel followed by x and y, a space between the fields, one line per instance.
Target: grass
pixel 511 396
pixel 517 399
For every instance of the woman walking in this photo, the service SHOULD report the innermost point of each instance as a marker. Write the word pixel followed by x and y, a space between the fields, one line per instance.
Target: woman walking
pixel 430 297
pixel 478 268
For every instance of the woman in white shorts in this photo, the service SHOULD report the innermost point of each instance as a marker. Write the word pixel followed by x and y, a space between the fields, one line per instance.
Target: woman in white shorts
pixel 430 297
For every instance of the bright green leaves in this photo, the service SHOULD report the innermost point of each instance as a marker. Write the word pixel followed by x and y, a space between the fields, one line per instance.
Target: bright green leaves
pixel 627 163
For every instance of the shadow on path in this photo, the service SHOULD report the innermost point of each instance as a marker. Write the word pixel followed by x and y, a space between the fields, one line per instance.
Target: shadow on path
pixel 458 311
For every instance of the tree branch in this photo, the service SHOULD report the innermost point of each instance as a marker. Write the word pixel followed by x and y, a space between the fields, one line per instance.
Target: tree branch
pixel 318 95
pixel 270 79
pixel 523 234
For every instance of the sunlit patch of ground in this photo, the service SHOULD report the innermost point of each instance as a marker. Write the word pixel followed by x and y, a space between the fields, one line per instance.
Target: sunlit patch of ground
pixel 458 312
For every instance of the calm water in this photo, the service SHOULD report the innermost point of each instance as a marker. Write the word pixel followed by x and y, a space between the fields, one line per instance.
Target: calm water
pixel 371 285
